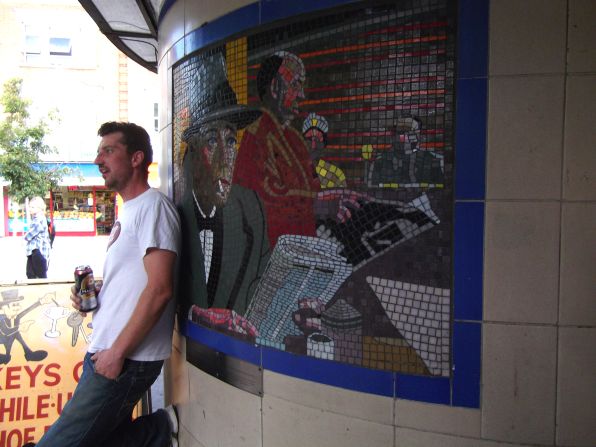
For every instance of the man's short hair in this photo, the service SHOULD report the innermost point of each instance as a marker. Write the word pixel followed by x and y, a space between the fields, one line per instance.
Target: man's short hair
pixel 267 72
pixel 135 138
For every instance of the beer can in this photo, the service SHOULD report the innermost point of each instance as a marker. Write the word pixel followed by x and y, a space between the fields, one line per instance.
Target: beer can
pixel 85 286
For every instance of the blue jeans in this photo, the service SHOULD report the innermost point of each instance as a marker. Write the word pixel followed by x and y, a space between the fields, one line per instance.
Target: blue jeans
pixel 99 413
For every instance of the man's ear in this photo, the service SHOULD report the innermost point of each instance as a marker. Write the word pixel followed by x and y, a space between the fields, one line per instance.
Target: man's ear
pixel 137 158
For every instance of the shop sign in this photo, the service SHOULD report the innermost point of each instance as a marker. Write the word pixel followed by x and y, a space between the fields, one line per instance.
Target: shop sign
pixel 74 224
pixel 42 344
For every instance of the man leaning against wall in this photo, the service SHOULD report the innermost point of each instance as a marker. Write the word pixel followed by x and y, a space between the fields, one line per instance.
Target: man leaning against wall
pixel 132 327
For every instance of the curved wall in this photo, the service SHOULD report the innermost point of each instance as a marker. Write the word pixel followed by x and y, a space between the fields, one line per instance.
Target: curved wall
pixel 291 394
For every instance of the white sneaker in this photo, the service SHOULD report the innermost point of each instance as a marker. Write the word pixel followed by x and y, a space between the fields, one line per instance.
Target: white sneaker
pixel 173 418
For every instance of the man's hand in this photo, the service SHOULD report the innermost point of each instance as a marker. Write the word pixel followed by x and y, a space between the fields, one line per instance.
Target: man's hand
pixel 76 300
pixel 98 286
pixel 108 363
pixel 347 201
pixel 47 298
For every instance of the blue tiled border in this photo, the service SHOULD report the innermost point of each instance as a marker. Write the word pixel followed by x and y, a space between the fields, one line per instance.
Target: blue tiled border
pixel 470 138
pixel 426 389
pixel 463 388
pixel 467 341
pixel 308 368
pixel 472 38
pixel 329 372
pixel 468 254
pixel 222 343
pixel 242 19
pixel 470 186
pixel 252 16
pixel 272 10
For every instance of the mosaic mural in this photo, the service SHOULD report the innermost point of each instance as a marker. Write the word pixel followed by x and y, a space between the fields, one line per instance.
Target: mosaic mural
pixel 313 169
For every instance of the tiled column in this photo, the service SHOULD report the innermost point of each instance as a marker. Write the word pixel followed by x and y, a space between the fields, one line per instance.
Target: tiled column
pixel 576 380
pixel 539 242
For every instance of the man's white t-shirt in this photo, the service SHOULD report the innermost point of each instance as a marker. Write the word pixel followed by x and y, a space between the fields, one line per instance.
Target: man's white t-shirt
pixel 147 221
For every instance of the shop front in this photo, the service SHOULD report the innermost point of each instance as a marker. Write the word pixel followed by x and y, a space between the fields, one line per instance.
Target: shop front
pixel 83 210
pixel 80 206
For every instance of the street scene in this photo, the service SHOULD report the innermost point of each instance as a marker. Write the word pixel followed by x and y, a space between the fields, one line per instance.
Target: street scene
pixel 67 253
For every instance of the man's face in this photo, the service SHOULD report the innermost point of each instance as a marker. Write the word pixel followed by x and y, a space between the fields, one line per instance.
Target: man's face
pixel 408 136
pixel 114 161
pixel 11 309
pixel 409 139
pixel 315 139
pixel 213 156
pixel 289 88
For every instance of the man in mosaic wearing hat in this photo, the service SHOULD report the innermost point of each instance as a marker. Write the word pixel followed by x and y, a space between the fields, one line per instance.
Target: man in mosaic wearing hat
pixel 11 326
pixel 224 232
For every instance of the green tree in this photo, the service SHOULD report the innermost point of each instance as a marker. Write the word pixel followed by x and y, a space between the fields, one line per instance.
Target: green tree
pixel 21 147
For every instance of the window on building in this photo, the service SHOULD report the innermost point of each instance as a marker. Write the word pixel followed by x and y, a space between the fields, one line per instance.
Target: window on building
pixel 52 45
pixel 60 46
pixel 33 44
pixel 156 116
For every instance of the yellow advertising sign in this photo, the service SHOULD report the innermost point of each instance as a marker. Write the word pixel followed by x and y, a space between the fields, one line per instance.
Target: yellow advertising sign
pixel 42 345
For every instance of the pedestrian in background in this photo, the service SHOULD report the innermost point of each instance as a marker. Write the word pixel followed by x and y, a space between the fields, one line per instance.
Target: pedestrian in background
pixel 38 240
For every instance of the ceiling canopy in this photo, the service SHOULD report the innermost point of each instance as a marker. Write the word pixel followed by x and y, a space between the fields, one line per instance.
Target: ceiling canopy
pixel 131 25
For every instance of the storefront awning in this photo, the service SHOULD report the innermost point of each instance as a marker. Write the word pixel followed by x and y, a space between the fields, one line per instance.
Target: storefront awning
pixel 131 25
pixel 87 174
pixel 80 174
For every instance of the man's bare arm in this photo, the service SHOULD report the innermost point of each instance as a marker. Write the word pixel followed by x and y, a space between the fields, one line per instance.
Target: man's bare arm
pixel 159 265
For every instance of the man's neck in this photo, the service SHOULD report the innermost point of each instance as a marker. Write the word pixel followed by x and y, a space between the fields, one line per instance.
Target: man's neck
pixel 134 188
pixel 274 111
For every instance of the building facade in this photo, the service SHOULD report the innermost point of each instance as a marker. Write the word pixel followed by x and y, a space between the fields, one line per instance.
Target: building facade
pixel 70 70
